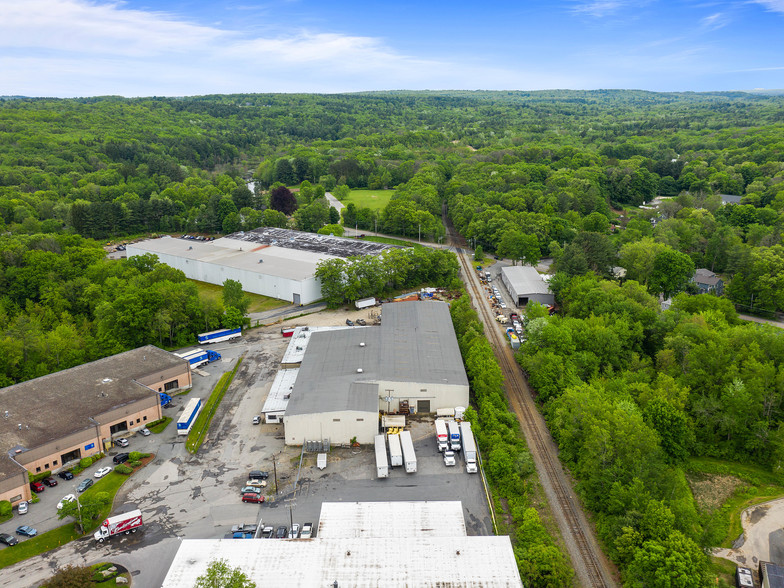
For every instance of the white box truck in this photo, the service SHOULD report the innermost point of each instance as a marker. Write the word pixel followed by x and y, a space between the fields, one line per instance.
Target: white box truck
pixel 469 447
pixel 365 303
pixel 409 457
pixel 442 435
pixel 395 451
pixel 454 436
pixel 116 525
pixel 382 466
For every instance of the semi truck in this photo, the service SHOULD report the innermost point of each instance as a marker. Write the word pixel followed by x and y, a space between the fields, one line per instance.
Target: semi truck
pixel 409 457
pixel 365 303
pixel 382 466
pixel 188 417
pixel 199 357
pixel 469 447
pixel 395 451
pixel 454 436
pixel 122 523
pixel 442 435
pixel 219 336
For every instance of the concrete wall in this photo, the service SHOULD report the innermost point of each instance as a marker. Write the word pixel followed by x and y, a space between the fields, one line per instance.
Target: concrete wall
pixel 255 282
pixel 440 395
pixel 339 427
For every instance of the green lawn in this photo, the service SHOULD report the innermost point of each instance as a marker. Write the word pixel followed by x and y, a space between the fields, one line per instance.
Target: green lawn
pixel 202 424
pixel 373 199
pixel 159 428
pixel 258 303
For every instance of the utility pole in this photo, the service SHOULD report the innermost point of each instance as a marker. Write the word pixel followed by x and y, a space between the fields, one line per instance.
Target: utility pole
pixel 275 470
pixel 419 229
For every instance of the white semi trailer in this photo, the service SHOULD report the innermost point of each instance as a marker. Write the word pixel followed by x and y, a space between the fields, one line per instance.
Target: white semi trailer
pixel 395 451
pixel 382 466
pixel 409 457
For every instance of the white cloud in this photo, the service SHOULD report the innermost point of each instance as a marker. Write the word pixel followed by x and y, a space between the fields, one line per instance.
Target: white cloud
pixel 772 5
pixel 715 21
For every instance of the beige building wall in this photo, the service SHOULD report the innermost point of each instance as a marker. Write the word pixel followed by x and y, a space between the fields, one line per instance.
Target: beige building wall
pixel 438 395
pixel 339 427
pixel 16 488
pixel 158 380
pixel 49 455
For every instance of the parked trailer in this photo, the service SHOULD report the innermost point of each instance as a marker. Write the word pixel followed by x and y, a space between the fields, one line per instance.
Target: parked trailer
pixel 116 525
pixel 199 357
pixel 395 451
pixel 454 436
pixel 219 336
pixel 188 417
pixel 469 447
pixel 365 303
pixel 409 457
pixel 382 466
pixel 442 435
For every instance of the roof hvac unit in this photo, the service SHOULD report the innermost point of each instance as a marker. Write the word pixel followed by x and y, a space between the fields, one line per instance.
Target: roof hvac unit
pixel 359 370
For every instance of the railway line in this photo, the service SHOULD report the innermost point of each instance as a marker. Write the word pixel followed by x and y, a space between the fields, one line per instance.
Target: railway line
pixel 591 566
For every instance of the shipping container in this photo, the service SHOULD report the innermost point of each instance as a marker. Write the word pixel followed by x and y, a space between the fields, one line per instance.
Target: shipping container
pixel 409 457
pixel 382 466
pixel 395 451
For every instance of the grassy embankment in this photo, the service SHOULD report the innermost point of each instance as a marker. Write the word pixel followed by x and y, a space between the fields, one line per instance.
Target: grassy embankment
pixel 258 303
pixel 202 424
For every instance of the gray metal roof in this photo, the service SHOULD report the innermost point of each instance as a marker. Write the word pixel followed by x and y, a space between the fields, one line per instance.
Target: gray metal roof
pixel 525 280
pixel 415 343
pixel 312 242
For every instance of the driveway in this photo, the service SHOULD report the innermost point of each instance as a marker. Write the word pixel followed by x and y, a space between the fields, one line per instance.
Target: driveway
pixel 763 536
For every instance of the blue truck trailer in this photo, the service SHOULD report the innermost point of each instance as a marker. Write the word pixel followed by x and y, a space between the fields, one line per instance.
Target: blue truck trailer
pixel 199 357
pixel 218 336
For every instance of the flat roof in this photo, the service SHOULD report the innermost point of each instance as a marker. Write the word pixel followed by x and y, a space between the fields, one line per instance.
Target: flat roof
pixel 415 343
pixel 525 280
pixel 310 242
pixel 62 403
pixel 300 338
pixel 404 519
pixel 277 399
pixel 459 561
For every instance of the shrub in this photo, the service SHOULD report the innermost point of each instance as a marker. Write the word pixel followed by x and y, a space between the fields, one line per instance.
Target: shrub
pixel 134 464
pixel 85 462
pixel 137 456
pixel 123 469
pixel 5 508
pixel 39 477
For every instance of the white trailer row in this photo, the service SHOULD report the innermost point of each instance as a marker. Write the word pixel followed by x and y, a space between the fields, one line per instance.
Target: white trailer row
pixel 409 457
pixel 382 466
pixel 395 451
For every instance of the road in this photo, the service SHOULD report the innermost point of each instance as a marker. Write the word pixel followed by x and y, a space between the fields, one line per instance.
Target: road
pixel 591 566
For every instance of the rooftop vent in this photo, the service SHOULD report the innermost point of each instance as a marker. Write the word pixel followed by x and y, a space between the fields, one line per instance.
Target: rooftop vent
pixel 261 261
pixel 362 344
pixel 190 248
pixel 359 370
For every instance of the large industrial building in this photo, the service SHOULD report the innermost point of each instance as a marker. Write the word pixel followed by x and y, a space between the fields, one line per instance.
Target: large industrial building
pixel 376 544
pixel 525 285
pixel 348 376
pixel 60 418
pixel 273 262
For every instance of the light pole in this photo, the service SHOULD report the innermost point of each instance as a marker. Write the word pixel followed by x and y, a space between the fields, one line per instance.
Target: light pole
pixel 419 231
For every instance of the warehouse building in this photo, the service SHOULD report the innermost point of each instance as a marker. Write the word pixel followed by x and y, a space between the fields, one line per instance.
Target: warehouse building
pixel 355 546
pixel 55 420
pixel 273 262
pixel 412 361
pixel 525 285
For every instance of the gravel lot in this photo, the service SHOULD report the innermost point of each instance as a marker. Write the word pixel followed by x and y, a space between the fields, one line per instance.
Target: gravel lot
pixel 197 496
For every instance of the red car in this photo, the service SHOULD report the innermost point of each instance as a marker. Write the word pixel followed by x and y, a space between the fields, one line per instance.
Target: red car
pixel 252 497
pixel 37 487
pixel 50 482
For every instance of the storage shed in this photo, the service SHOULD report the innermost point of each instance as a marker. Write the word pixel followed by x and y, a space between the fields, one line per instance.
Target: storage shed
pixel 524 285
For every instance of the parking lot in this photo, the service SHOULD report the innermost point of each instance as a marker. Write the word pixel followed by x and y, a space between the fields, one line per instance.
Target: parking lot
pixel 198 496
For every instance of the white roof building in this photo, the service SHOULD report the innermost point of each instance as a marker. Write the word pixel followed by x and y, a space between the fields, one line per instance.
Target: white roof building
pixel 524 284
pixel 356 550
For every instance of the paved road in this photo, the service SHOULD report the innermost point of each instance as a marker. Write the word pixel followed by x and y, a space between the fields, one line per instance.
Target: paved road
pixel 756 319
pixel 269 317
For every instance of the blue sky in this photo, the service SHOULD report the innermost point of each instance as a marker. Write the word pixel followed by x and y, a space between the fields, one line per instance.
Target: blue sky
pixel 185 47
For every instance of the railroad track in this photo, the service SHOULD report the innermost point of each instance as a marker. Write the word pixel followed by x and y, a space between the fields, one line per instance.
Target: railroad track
pixel 590 565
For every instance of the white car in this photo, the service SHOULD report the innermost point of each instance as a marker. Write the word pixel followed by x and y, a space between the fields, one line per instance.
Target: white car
pixel 22 507
pixel 257 483
pixel 102 472
pixel 449 458
pixel 145 431
pixel 122 442
pixel 307 531
pixel 67 498
pixel 294 533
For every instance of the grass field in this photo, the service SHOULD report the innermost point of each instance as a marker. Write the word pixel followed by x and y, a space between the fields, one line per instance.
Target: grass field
pixel 373 199
pixel 258 303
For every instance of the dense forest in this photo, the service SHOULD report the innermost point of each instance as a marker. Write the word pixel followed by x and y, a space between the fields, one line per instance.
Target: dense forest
pixel 632 394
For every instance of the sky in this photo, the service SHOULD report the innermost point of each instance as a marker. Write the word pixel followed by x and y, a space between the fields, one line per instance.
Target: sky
pixel 72 48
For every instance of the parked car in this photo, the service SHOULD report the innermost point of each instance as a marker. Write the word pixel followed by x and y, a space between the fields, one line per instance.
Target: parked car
pixel 26 530
pixel 449 458
pixel 66 475
pixel 85 484
pixel 258 475
pixel 257 483
pixel 8 539
pixel 281 532
pixel 349 322
pixel 121 458
pixel 66 499
pixel 145 431
pixel 254 489
pixel 22 508
pixel 294 533
pixel 122 442
pixel 37 487
pixel 257 420
pixel 244 528
pixel 50 481
pixel 268 532
pixel 361 321
pixel 102 472
pixel 307 531
pixel 252 497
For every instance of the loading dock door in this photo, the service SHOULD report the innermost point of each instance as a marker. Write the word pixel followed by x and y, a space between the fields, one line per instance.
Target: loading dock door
pixel 423 406
pixel 296 298
pixel 522 300
pixel 121 426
